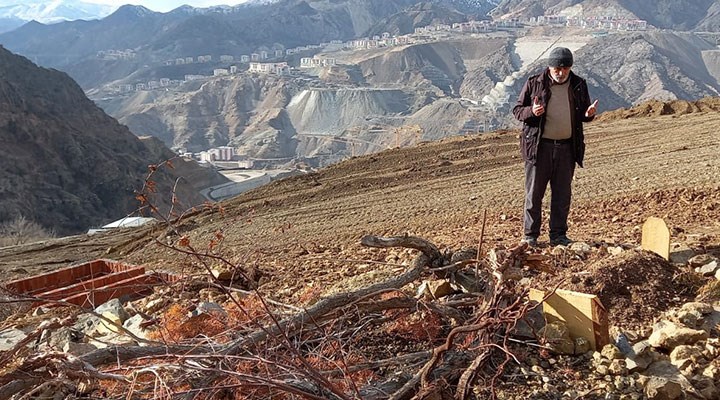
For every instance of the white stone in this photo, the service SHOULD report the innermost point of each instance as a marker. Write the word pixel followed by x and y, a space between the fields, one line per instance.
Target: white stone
pixel 78 349
pixel 113 307
pixel 580 248
pixel 133 324
pixel 10 337
pixel 109 324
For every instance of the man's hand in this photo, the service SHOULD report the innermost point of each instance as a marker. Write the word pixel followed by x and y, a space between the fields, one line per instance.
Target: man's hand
pixel 537 108
pixel 592 109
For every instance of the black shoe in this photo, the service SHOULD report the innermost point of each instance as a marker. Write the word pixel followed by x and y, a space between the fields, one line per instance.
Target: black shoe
pixel 530 240
pixel 560 240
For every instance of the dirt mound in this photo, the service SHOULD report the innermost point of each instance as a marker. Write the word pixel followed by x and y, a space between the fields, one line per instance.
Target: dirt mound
pixel 656 108
pixel 633 286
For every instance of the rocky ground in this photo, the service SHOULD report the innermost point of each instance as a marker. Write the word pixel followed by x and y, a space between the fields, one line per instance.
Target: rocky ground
pixel 300 239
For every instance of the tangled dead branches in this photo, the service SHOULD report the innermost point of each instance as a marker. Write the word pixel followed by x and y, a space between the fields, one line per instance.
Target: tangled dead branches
pixel 324 351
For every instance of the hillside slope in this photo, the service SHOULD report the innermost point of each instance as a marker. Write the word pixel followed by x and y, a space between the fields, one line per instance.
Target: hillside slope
pixel 64 163
pixel 654 160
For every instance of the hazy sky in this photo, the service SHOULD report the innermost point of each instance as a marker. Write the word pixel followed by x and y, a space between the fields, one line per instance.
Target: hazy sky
pixel 167 5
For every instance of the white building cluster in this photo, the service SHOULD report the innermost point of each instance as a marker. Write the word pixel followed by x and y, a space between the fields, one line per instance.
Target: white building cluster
pixel 126 54
pixel 592 22
pixel 384 40
pixel 258 60
pixel 189 60
pixel 280 68
pixel 427 33
pixel 151 85
pixel 317 62
pixel 221 154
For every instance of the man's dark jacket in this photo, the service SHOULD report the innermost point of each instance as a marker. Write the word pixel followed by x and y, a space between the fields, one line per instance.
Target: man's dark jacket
pixel 539 86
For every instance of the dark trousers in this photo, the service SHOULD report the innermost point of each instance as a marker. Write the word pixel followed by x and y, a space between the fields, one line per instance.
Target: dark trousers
pixel 555 164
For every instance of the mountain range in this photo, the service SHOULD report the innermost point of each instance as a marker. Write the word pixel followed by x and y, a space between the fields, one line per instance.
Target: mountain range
pixel 14 13
pixel 218 30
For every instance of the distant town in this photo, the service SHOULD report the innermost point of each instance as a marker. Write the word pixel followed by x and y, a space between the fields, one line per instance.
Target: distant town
pixel 274 60
pixel 224 156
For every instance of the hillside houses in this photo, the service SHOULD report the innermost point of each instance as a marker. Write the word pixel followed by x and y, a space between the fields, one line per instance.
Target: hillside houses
pixel 126 54
pixel 280 68
pixel 151 85
pixel 272 60
pixel 317 62
pixel 221 155
pixel 592 22
pixel 609 23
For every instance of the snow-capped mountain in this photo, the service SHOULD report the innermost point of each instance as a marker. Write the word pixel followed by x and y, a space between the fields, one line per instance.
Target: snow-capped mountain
pixel 53 10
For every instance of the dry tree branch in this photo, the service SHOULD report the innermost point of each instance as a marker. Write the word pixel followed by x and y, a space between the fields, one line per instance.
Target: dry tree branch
pixel 490 317
pixel 318 312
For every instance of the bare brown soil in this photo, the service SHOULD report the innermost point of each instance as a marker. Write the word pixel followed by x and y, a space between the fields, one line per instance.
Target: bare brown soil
pixel 303 232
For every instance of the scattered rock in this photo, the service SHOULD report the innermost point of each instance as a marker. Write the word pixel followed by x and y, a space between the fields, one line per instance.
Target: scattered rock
pixel 78 349
pixel 614 250
pixel 108 324
pixel 134 326
pixel 708 269
pixel 658 388
pixel 668 335
pixel 611 352
pixel 680 253
pixel 557 336
pixel 700 260
pixel 435 289
pixel 683 356
pixel 533 322
pixel 580 248
pixel 113 307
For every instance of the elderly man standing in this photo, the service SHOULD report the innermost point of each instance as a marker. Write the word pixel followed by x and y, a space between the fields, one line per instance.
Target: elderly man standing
pixel 552 107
